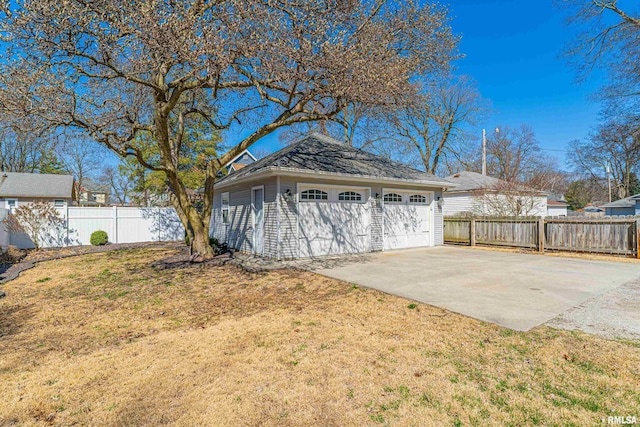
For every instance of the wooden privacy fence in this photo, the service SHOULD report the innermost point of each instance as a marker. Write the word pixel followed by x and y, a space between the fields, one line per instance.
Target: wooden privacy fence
pixel 619 236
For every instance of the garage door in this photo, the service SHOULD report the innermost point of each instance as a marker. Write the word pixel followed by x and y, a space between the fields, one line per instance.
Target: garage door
pixel 333 221
pixel 407 219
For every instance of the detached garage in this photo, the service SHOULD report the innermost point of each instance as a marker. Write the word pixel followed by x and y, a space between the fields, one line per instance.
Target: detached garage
pixel 319 197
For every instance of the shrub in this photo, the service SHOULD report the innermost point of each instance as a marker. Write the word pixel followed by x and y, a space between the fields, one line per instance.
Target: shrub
pixel 99 238
pixel 214 242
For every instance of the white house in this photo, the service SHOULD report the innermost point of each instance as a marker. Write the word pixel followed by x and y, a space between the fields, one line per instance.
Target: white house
pixel 556 208
pixel 477 194
pixel 23 188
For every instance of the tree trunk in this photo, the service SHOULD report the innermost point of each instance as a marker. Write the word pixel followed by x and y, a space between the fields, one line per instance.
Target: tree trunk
pixel 195 224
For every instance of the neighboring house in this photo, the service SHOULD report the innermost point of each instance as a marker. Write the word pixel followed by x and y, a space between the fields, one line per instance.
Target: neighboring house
pixel 477 194
pixel 22 188
pixel 243 159
pixel 320 197
pixel 556 208
pixel 93 194
pixel 628 206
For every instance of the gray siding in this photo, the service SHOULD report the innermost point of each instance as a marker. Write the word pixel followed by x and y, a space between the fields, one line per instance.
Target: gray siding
pixel 377 220
pixel 288 221
pixel 438 230
pixel 270 218
pixel 239 233
pixel 620 211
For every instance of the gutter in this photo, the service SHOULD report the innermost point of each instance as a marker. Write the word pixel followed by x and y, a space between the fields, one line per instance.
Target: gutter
pixel 281 171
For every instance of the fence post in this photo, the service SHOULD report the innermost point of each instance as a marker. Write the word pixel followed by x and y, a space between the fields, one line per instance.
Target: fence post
pixel 541 234
pixel 115 224
pixel 67 222
pixel 472 232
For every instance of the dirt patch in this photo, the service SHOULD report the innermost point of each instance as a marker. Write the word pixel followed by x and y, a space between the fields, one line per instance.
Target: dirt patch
pixel 107 339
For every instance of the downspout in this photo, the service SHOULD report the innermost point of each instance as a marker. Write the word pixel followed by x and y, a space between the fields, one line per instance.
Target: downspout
pixel 278 202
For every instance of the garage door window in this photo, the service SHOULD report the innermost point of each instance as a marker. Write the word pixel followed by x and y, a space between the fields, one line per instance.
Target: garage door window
pixel 418 199
pixel 314 195
pixel 393 198
pixel 350 196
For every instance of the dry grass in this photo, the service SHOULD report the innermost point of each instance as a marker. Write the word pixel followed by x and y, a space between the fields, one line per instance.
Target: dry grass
pixel 105 339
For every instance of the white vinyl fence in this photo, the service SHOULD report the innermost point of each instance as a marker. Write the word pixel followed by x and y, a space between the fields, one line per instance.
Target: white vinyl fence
pixel 122 224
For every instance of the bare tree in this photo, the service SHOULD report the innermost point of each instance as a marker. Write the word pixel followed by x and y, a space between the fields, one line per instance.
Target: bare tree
pixel 24 147
pixel 121 184
pixel 613 146
pixel 118 68
pixel 358 125
pixel 513 154
pixel 433 122
pixel 609 38
pixel 81 158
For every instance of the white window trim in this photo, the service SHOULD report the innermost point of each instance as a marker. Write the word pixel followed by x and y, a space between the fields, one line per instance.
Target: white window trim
pixel 426 199
pixel 350 194
pixel 333 192
pixel 317 192
pixel 253 216
pixel 8 207
pixel 224 207
pixel 393 202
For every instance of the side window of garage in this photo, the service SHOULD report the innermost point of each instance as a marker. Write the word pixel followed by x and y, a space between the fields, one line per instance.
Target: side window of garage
pixel 392 198
pixel 349 196
pixel 314 194
pixel 418 199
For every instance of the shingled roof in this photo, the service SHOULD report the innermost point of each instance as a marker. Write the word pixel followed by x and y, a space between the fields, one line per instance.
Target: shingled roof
pixel 628 202
pixel 472 181
pixel 15 184
pixel 320 154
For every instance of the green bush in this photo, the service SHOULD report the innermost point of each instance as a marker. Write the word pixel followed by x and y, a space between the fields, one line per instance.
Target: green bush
pixel 99 238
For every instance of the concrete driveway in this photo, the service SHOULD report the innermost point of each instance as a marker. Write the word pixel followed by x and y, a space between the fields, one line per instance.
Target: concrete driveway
pixel 518 291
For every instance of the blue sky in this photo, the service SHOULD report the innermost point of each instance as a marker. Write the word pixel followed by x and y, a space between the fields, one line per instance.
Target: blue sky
pixel 514 52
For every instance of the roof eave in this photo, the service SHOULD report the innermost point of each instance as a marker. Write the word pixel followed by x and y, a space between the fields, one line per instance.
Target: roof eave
pixel 281 171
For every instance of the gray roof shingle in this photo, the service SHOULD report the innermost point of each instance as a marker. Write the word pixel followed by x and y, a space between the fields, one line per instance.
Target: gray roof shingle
pixel 472 181
pixel 15 184
pixel 319 153
pixel 629 202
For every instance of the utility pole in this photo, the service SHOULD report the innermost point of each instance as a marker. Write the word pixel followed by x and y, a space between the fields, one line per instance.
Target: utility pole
pixel 609 180
pixel 484 152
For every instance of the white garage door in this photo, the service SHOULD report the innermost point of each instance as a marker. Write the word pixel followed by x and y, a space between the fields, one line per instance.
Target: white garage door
pixel 407 219
pixel 333 221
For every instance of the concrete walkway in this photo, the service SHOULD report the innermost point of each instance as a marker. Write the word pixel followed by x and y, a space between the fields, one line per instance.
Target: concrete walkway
pixel 518 291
